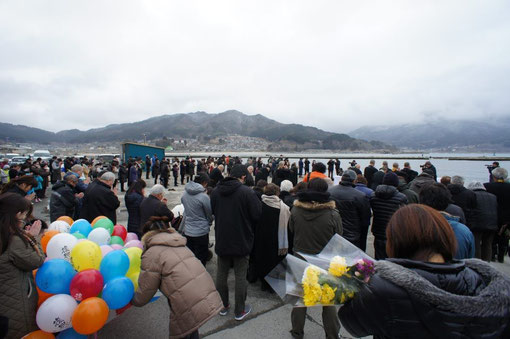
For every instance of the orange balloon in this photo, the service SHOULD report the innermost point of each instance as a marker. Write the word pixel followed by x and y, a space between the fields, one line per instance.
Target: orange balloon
pixel 46 238
pixel 42 296
pixel 39 335
pixel 96 219
pixel 90 315
pixel 67 219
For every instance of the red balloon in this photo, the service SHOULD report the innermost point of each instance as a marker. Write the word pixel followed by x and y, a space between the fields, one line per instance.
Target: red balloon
pixel 120 231
pixel 86 284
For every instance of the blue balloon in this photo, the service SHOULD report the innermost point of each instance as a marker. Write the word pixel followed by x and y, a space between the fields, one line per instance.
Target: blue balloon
pixel 118 292
pixel 55 276
pixel 82 226
pixel 115 264
pixel 70 333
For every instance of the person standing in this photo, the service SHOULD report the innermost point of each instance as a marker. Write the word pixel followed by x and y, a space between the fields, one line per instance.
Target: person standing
pixel 236 210
pixel 148 165
pixel 369 172
pixel 155 205
pixel 307 166
pixel 175 173
pixel 300 165
pixel 485 220
pixel 198 216
pixel 123 174
pixel 133 199
pixel 64 200
pixel 20 254
pixel 156 169
pixel 313 221
pixel 100 199
pixel 165 173
pixel 501 189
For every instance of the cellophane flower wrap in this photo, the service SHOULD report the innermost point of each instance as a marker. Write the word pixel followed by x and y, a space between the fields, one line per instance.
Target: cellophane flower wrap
pixel 331 277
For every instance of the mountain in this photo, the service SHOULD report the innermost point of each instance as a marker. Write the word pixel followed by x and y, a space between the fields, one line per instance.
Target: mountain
pixel 200 124
pixel 20 133
pixel 442 134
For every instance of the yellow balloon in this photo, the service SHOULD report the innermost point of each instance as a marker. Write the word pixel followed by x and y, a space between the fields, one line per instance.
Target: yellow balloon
pixel 135 260
pixel 134 278
pixel 85 255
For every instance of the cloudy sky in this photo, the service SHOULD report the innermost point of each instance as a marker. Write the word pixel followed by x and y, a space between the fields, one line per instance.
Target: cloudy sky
pixel 336 65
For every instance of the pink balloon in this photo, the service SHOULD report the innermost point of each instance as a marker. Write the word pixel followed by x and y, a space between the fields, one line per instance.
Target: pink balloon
pixel 131 236
pixel 105 249
pixel 116 247
pixel 134 243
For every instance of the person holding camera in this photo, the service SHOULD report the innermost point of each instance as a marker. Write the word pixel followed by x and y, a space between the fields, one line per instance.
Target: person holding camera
pixel 428 166
pixel 490 168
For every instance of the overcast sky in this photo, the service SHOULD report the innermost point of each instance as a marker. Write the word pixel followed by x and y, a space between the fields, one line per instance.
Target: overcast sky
pixel 336 65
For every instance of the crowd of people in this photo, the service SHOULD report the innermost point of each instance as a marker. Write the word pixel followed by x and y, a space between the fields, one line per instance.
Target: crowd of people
pixel 426 229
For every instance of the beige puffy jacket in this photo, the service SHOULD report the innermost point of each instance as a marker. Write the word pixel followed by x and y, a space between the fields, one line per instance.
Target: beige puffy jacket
pixel 168 265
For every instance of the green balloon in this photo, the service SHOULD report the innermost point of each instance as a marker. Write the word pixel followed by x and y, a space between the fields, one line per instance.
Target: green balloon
pixel 105 223
pixel 78 235
pixel 116 240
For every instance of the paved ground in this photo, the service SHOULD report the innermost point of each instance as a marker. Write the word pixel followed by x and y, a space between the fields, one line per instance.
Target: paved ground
pixel 270 318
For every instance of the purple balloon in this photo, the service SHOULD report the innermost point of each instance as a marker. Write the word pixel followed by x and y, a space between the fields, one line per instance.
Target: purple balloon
pixel 105 249
pixel 131 236
pixel 134 243
pixel 116 247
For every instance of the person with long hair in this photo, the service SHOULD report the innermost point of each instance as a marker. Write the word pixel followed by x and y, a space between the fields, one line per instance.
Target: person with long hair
pixel 134 197
pixel 22 186
pixel 20 254
pixel 421 291
pixel 170 266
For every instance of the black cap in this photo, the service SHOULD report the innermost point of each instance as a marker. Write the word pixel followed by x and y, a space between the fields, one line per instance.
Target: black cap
pixel 239 171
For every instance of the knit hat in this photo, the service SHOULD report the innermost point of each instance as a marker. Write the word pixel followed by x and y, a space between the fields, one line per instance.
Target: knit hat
pixel 239 171
pixel 349 176
pixel 390 179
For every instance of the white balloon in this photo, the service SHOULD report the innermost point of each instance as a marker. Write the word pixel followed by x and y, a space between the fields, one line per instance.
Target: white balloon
pixel 59 225
pixel 55 313
pixel 60 246
pixel 100 236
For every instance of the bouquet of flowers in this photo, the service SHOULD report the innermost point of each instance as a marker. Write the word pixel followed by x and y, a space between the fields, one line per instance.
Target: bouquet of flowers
pixel 325 278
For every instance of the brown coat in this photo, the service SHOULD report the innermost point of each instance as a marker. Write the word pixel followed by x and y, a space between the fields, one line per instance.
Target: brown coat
pixel 168 265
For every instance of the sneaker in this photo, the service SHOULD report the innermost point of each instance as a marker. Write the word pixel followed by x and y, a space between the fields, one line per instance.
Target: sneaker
pixel 247 310
pixel 224 310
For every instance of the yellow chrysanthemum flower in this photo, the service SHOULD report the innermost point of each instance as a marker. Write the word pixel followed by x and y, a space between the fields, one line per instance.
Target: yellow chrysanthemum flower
pixel 311 275
pixel 312 294
pixel 338 266
pixel 328 294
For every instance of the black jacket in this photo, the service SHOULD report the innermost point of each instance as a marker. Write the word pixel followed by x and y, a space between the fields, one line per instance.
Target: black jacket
pixel 236 210
pixel 502 192
pixel 123 174
pixel 62 201
pixel 215 177
pixel 99 200
pixel 377 179
pixel 465 199
pixel 262 174
pixel 420 181
pixel 369 174
pixel 384 202
pixel 485 216
pixel 354 208
pixel 153 207
pixel 410 174
pixel 133 201
pixel 281 175
pixel 412 299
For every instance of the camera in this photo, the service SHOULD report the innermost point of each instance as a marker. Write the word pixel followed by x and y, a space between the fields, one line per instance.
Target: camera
pixel 353 163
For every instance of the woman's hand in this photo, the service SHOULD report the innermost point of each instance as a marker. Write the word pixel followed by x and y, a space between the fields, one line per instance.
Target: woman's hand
pixel 34 229
pixel 30 197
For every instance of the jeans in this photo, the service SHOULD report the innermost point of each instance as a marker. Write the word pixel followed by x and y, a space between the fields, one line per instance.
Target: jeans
pixel 329 320
pixel 199 246
pixel 483 245
pixel 380 249
pixel 241 285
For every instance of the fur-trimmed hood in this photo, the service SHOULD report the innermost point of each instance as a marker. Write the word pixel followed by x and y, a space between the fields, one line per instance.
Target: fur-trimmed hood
pixel 491 300
pixel 313 205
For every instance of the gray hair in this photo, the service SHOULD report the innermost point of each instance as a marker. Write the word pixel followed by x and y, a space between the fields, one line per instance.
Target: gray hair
pixel 286 186
pixel 457 180
pixel 500 173
pixel 476 185
pixel 157 189
pixel 108 176
pixel 77 168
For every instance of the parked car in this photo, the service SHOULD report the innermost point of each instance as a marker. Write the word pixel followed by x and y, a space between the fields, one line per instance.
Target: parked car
pixel 11 155
pixel 43 154
pixel 18 160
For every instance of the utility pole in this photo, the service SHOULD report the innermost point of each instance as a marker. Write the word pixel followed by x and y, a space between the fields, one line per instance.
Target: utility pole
pixel 145 138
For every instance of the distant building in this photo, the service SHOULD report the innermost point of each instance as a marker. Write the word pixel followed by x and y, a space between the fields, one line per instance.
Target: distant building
pixel 134 150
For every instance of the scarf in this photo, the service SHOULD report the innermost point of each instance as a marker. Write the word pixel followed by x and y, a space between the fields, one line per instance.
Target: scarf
pixel 283 221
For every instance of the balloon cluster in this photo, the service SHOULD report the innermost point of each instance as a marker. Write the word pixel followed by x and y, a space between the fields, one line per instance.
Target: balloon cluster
pixel 91 268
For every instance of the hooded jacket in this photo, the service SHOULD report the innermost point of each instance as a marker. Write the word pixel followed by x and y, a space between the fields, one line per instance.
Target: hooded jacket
pixel 236 210
pixel 354 208
pixel 413 299
pixel 420 181
pixel 485 216
pixel 168 265
pixel 312 224
pixel 99 200
pixel 385 201
pixel 465 239
pixel 18 293
pixel 62 201
pixel 197 210
pixel 412 196
pixel 465 199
